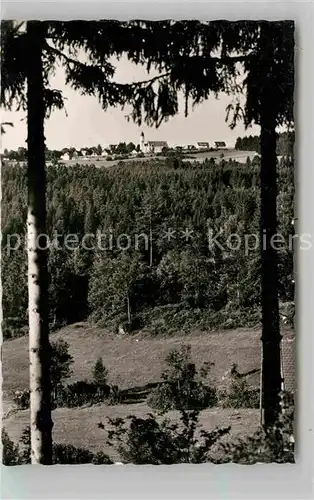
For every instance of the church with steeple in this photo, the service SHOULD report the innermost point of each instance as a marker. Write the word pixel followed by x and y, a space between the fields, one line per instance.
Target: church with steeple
pixel 151 147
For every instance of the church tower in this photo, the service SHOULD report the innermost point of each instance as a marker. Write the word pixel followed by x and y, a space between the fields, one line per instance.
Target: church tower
pixel 142 142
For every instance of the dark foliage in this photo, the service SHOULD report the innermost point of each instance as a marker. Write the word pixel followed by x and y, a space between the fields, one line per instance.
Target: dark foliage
pixel 146 441
pixel 285 143
pixel 69 454
pixel 78 393
pixel 275 444
pixel 81 393
pixel 182 386
pixel 60 363
pixel 10 451
pixel 22 399
pixel 100 373
pixel 60 370
pixel 19 454
pixel 187 284
pixel 239 394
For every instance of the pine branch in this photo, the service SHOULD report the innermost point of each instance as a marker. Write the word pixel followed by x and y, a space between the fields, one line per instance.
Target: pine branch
pixel 62 55
pixel 75 62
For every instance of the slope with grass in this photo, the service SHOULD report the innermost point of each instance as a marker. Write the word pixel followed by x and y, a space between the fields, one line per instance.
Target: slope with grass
pixel 133 362
pixel 136 360
pixel 80 426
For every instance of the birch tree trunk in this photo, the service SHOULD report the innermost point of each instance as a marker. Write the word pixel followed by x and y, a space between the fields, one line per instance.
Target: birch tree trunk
pixel 39 346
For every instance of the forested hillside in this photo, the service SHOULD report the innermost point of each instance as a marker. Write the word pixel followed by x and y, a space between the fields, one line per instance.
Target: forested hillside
pixel 175 283
pixel 285 143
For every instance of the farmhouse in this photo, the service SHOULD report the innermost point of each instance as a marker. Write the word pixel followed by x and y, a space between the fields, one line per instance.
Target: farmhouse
pixel 190 147
pixel 150 147
pixel 220 145
pixel 201 146
pixel 156 146
pixel 65 157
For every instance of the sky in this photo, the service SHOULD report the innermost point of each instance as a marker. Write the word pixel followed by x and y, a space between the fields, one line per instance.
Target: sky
pixel 85 123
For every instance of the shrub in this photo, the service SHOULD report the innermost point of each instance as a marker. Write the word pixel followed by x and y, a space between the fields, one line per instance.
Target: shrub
pixel 273 445
pixel 122 324
pixel 78 393
pixel 239 394
pixel 81 393
pixel 69 454
pixel 100 373
pixel 13 328
pixel 115 396
pixel 60 369
pixel 182 387
pixel 61 453
pixel 10 451
pixel 61 362
pixel 21 399
pixel 287 313
pixel 145 441
pixel 158 326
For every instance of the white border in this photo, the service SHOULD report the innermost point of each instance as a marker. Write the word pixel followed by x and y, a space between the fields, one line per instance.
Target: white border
pixel 203 481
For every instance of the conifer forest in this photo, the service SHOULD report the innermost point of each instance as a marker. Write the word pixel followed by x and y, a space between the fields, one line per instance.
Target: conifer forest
pixel 148 286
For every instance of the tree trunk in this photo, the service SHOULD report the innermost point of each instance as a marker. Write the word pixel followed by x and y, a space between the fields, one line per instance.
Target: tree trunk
pixel 271 338
pixel 39 346
pixel 129 308
pixel 150 239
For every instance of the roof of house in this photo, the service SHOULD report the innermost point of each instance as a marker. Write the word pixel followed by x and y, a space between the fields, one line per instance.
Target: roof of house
pixel 157 143
pixel 220 143
pixel 203 143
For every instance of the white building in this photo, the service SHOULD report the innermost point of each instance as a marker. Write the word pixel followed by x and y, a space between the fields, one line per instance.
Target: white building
pixel 220 145
pixel 202 146
pixel 190 147
pixel 151 147
pixel 65 157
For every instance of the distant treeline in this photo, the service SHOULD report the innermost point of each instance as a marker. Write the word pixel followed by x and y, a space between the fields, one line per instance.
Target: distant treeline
pixel 285 143
pixel 54 155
